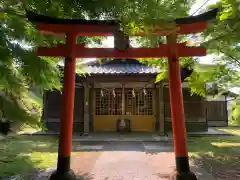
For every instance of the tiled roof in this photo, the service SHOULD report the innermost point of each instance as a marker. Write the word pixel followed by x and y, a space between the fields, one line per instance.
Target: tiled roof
pixel 120 67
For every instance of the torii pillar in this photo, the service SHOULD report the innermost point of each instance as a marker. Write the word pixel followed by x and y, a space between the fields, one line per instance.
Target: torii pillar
pixel 63 171
pixel 177 112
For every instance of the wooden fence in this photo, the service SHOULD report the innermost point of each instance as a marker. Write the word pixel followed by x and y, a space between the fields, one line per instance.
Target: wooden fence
pixel 214 112
pixel 194 111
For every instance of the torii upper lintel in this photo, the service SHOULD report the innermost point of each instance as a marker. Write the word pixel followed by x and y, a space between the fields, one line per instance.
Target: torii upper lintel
pixel 46 24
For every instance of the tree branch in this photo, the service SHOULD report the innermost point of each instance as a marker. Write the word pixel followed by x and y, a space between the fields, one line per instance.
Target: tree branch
pixel 222 36
pixel 230 56
pixel 6 10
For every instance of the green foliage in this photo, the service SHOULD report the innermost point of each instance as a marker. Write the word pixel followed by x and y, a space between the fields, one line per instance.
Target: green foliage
pixel 21 70
pixel 15 109
pixel 235 112
pixel 222 38
pixel 229 9
pixel 203 74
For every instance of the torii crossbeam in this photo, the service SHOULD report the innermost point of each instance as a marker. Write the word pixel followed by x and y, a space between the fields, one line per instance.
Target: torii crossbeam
pixel 73 28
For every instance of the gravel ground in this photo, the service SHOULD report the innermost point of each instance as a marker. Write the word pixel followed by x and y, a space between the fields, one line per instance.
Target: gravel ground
pixel 33 175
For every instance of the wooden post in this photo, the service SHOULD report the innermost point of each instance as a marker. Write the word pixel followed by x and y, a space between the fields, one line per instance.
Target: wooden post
pixel 92 108
pixel 177 113
pixel 63 171
pixel 226 109
pixel 123 100
pixel 86 108
pixel 204 110
pixel 45 107
pixel 161 108
pixel 122 121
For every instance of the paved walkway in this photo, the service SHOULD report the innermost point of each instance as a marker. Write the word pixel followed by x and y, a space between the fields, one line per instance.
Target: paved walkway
pixel 127 161
pixel 114 136
pixel 124 161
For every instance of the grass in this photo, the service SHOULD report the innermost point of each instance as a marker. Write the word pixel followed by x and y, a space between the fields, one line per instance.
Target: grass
pixel 218 155
pixel 28 129
pixel 21 154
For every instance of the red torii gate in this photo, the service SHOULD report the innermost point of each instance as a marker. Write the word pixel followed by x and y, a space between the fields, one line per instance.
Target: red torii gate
pixel 72 28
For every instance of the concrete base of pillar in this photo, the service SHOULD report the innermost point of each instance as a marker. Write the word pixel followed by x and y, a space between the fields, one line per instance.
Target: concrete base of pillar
pixel 184 176
pixel 63 176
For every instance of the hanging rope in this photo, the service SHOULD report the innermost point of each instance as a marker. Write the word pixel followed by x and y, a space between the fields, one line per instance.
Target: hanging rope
pixel 133 93
pixel 102 94
pixel 144 92
pixel 114 93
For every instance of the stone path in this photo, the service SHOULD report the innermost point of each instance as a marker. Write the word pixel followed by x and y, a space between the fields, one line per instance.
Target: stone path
pixel 122 161
pixel 212 131
pixel 132 165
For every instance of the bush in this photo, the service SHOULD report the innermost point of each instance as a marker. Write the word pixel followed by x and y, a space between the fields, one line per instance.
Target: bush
pixel 235 112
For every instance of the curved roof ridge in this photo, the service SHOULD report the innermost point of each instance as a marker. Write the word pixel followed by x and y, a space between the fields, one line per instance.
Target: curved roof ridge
pixel 120 66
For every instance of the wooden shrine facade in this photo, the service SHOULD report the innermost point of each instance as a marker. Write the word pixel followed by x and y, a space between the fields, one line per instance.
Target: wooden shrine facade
pixel 98 101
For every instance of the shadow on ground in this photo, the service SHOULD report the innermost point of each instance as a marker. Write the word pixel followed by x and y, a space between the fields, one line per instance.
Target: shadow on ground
pixel 26 155
pixel 46 175
pixel 221 166
pixel 220 156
